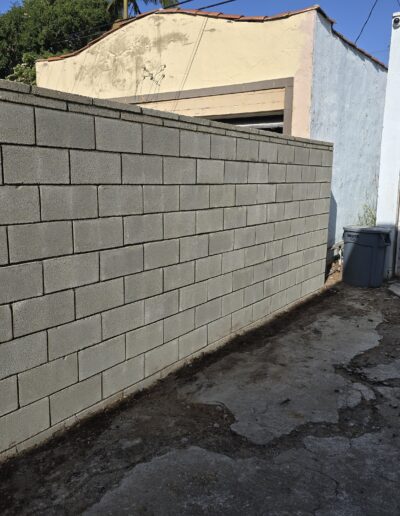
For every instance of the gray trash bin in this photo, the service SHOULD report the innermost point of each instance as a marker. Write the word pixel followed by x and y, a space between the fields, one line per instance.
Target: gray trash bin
pixel 364 255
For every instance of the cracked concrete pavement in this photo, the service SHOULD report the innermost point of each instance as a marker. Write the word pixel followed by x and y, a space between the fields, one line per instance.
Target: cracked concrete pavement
pixel 299 417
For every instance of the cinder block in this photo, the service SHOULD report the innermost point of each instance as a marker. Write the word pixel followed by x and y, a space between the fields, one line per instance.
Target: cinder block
pixel 43 312
pixel 74 399
pixel 284 192
pixel 242 318
pixel 258 173
pixel 275 212
pixel 208 312
pixel 8 395
pixel 245 237
pixel 256 214
pixel 101 357
pixel 272 286
pixel 195 144
pixel 293 174
pixel 298 226
pixel 296 260
pixel 277 173
pixel 120 200
pixel 23 423
pixel 210 171
pixel 192 342
pixel 266 194
pixel 247 150
pixel 221 242
pixel 273 250
pixel 192 295
pixel 178 276
pixel 264 233
pixel 118 135
pixel 146 338
pixel 68 202
pixel 74 336
pixel 99 297
pixel 143 228
pixel 236 172
pixel 315 157
pixel 325 190
pixel 194 197
pixel 301 155
pixel 178 325
pixel 243 277
pixel 121 262
pixel 3 246
pixel 161 357
pixel 286 154
pixel 19 204
pixel 47 379
pixel 289 245
pixel 61 129
pixel 262 271
pixel 299 191
pixel 280 265
pixel 222 195
pixel 161 254
pixel 223 147
pixel 192 248
pixel 160 307
pixel 91 235
pixel 219 329
pixel 140 169
pixel 246 194
pixel 35 165
pixel 179 171
pixel 208 221
pixel 323 174
pixel 314 191
pixel 20 282
pixel 5 323
pixel 179 224
pixel 283 229
pixel 253 294
pixel 219 286
pixel 287 280
pixel 163 141
pixel 232 261
pixel 268 152
pixel 208 267
pixel 261 309
pixel 308 174
pixel 160 198
pixel 22 354
pixel 16 123
pixel 293 294
pixel 327 158
pixel 253 255
pixel 234 217
pixel 94 167
pixel 232 302
pixel 143 285
pixel 122 319
pixel 306 208
pixel 122 376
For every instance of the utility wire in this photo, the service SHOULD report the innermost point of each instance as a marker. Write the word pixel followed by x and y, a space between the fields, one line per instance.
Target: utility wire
pixel 215 5
pixel 367 20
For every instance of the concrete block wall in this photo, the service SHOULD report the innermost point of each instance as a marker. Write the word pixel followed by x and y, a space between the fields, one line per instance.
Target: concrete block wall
pixel 132 241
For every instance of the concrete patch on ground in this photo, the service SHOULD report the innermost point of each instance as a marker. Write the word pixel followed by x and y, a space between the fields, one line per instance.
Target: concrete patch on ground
pixel 382 372
pixel 395 289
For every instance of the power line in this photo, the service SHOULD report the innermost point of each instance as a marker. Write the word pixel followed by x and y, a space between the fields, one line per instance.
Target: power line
pixel 215 5
pixel 367 20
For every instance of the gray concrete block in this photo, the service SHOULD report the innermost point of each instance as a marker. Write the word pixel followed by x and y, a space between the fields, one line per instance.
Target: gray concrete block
pixel 61 129
pixel 140 169
pixel 208 312
pixel 178 325
pixel 121 262
pixel 143 228
pixel 5 323
pixel 323 174
pixel 68 202
pixel 325 190
pixel 16 123
pixel 24 423
pixel 284 192
pixel 161 254
pixel 242 318
pixel 72 337
pixel 253 255
pixel 221 242
pixel 280 265
pixel 120 200
pixel 245 237
pixel 247 150
pixel 143 339
pixel 232 261
pixel 234 217
pixel 94 167
pixel 262 271
pixel 122 319
pixel 232 302
pixel 194 197
pixel 43 312
pixel 223 147
pixel 160 307
pixel 192 295
pixel 160 198
pixel 100 357
pixel 243 278
pixel 307 208
pixel 192 342
pixel 178 276
pixel 179 171
pixel 99 297
pixel 21 354
pixel 8 395
pixel 222 195
pixel 246 194
pixel 289 245
pixel 293 294
pixel 275 212
pixel 19 204
pixel 35 165
pixel 315 157
pixel 308 174
pixel 298 226
pixel 179 224
pixel 192 248
pixel 301 155
pixel 195 144
pixel 256 214
pixel 118 135
pixel 123 376
pixel 296 260
pixel 261 309
pixel 219 329
pixel 273 250
pixel 145 284
pixel 20 282
pixel 277 173
pixel 258 173
pixel 208 221
pixel 266 194
pixel 253 294
pixel 236 172
pixel 210 171
pixel 74 399
pixel 268 152
pixel 283 229
pixel 219 286
pixel 163 141
pixel 208 267
pixel 300 191
pixel 264 233
pixel 314 191
pixel 286 153
pixel 47 379
pixel 161 357
pixel 293 174
pixel 3 246
pixel 91 235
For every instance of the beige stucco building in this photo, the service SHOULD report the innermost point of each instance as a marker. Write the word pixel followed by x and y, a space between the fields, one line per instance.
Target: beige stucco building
pixel 291 73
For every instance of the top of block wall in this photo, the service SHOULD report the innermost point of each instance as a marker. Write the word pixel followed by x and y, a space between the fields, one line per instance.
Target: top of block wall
pixel 17 92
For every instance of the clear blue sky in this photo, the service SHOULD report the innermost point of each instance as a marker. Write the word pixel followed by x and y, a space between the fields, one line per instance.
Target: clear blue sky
pixel 349 15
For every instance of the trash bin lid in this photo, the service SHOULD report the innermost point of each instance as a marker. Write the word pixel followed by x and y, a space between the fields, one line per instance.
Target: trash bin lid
pixel 367 229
